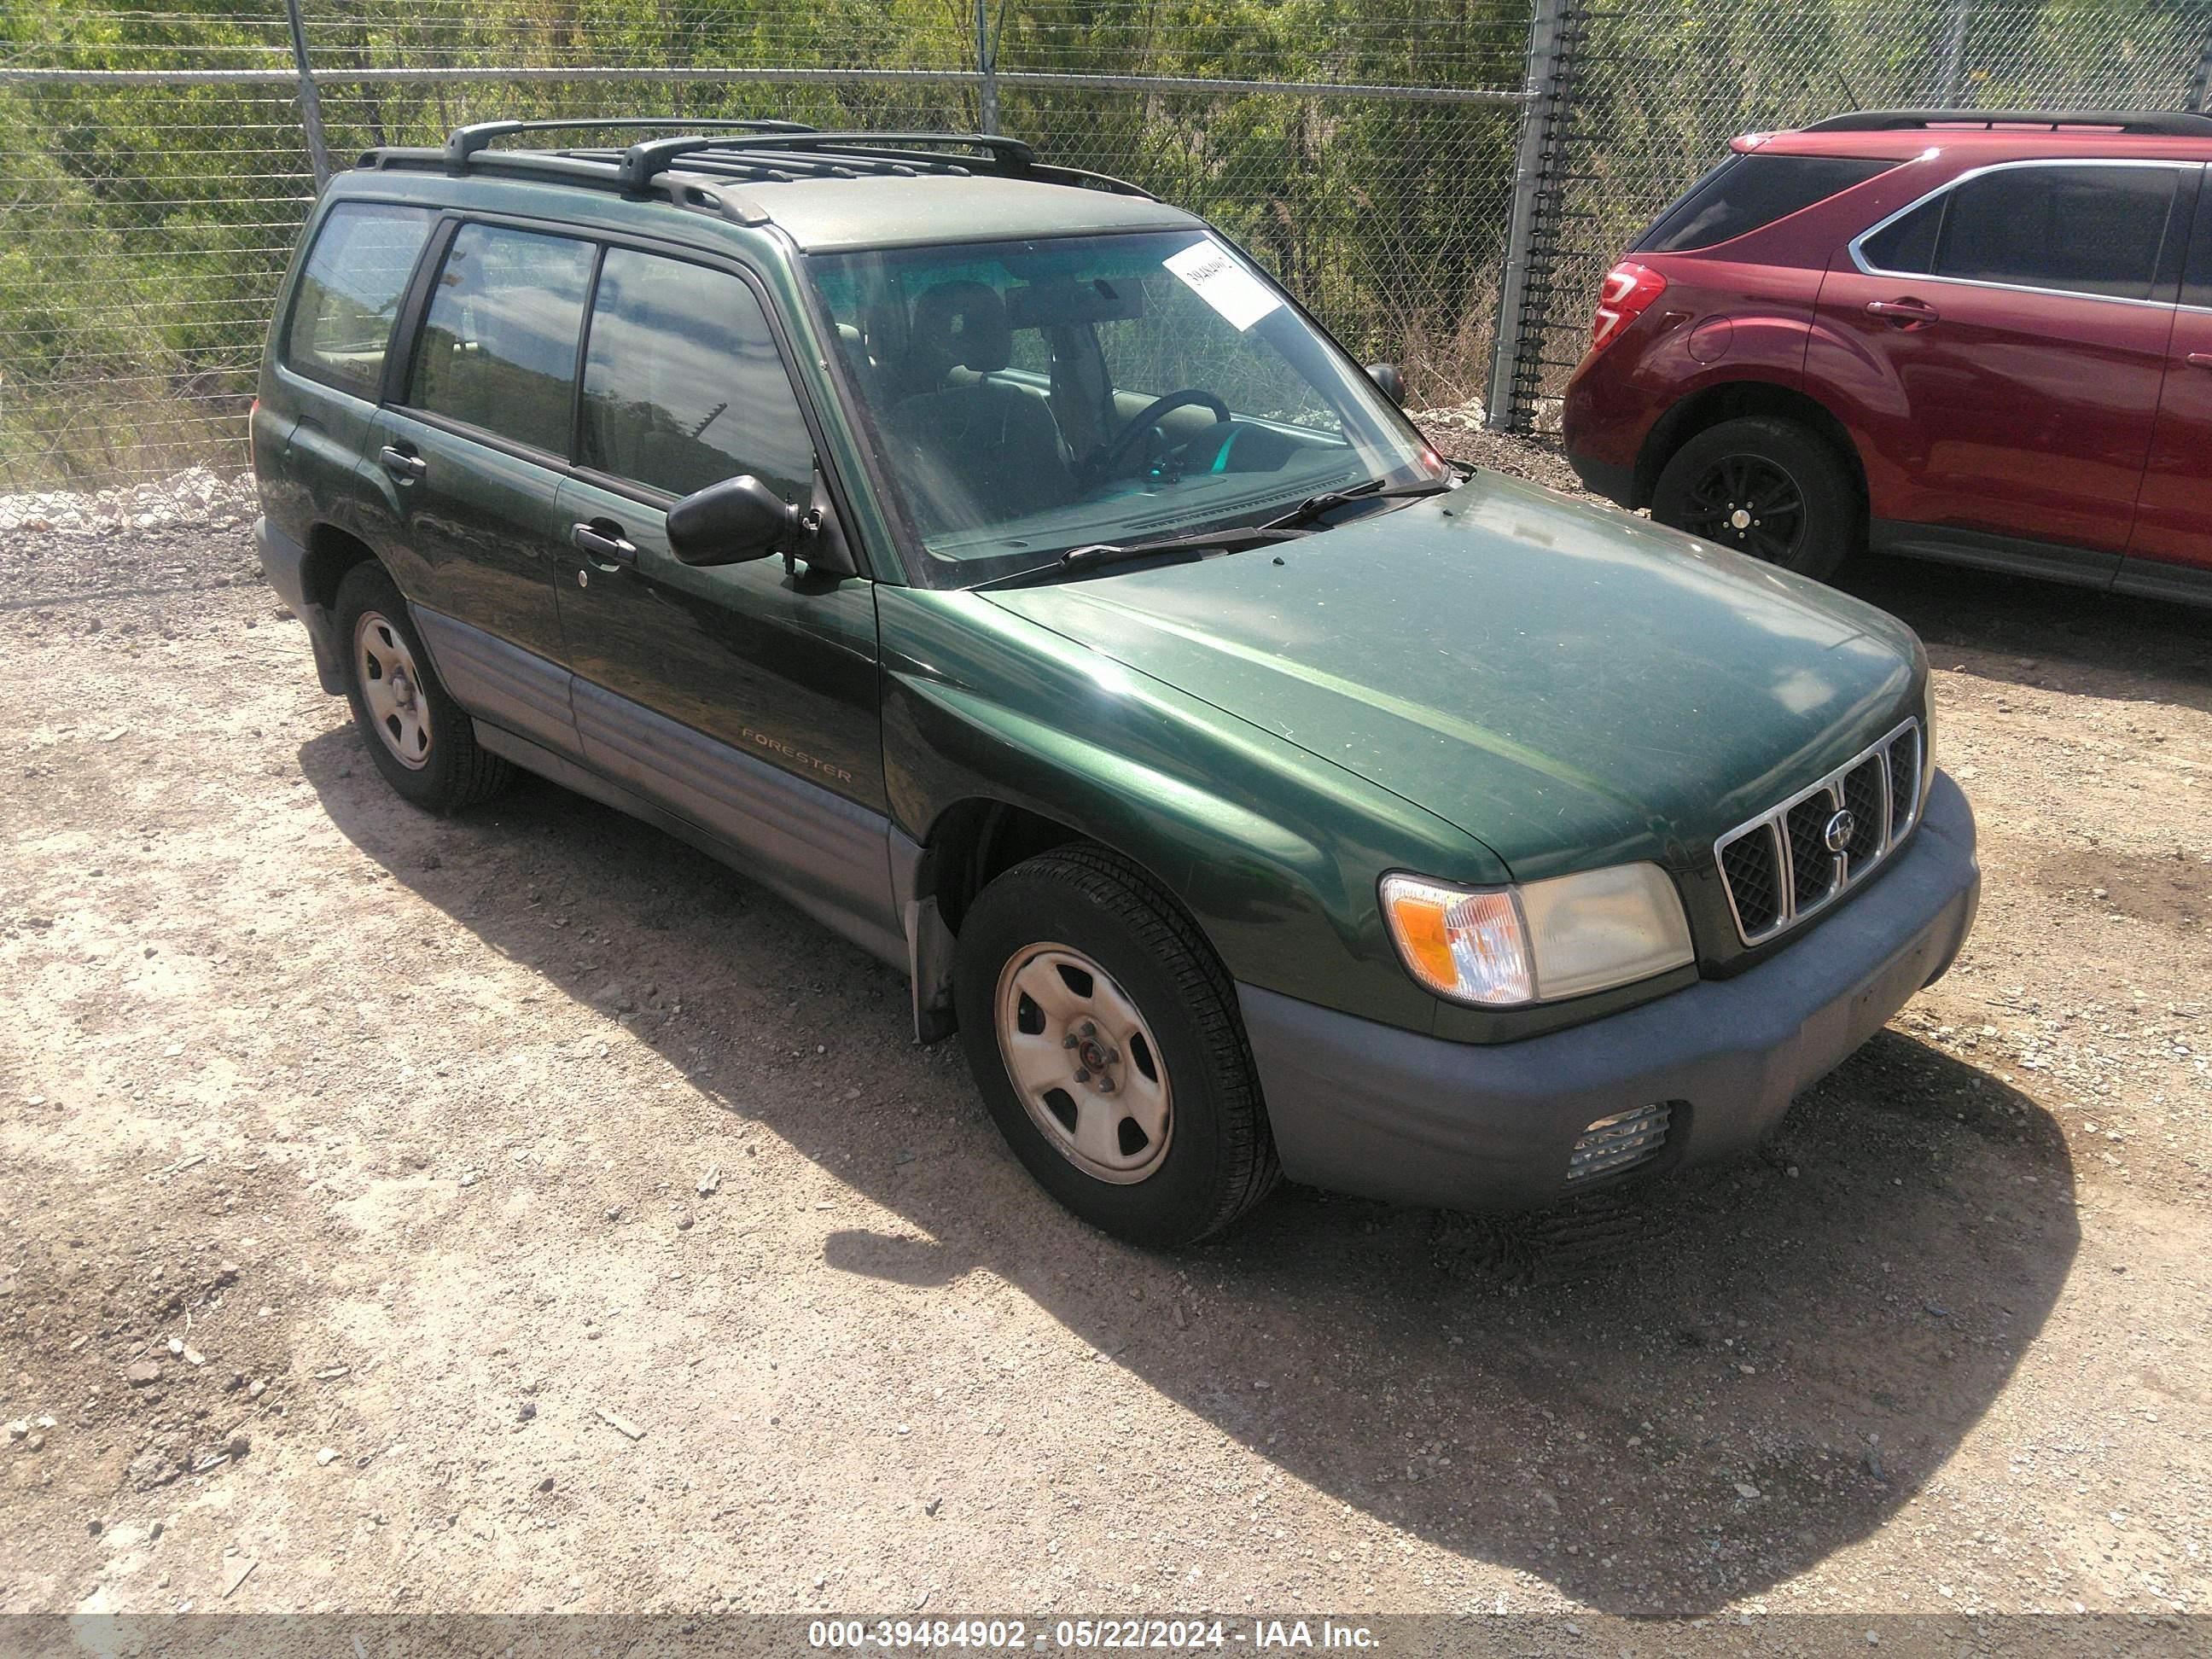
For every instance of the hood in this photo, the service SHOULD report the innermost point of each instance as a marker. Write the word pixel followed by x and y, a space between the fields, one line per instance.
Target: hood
pixel 1570 685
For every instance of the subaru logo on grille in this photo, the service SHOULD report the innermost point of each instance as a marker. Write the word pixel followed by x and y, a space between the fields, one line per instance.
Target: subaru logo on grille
pixel 1837 834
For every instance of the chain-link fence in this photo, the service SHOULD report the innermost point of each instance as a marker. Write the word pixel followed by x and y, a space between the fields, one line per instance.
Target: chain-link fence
pixel 158 167
pixel 1414 170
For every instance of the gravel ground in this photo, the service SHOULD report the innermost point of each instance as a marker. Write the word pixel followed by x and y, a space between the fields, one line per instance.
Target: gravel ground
pixel 359 1251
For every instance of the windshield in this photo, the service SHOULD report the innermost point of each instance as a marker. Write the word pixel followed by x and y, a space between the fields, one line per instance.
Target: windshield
pixel 1029 398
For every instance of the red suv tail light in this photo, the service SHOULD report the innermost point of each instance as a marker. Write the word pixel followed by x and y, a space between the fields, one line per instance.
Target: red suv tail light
pixel 1628 288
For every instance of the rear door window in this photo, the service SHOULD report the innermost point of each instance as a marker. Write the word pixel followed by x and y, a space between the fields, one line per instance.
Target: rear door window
pixel 1748 192
pixel 499 346
pixel 2077 229
pixel 349 293
pixel 683 384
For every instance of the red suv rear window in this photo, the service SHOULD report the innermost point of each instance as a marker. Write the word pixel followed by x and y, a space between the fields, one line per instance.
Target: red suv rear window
pixel 1747 192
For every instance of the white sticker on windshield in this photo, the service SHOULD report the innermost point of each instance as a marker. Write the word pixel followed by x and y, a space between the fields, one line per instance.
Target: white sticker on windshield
pixel 1210 271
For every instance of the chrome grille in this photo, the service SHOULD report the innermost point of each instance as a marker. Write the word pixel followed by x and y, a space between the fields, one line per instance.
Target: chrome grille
pixel 1619 1142
pixel 1780 869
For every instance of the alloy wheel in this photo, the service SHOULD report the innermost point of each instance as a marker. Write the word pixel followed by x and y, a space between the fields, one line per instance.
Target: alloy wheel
pixel 1750 503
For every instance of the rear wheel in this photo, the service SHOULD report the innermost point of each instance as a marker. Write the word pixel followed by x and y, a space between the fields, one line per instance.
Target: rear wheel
pixel 418 737
pixel 1105 1038
pixel 1767 487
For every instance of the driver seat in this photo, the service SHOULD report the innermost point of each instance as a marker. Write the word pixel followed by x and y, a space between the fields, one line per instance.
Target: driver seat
pixel 987 451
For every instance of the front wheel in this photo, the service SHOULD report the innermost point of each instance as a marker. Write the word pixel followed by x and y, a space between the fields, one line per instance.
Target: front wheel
pixel 1767 487
pixel 1105 1038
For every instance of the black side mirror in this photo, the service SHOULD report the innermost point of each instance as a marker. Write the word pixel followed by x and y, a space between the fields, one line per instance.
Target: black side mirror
pixel 1386 375
pixel 731 522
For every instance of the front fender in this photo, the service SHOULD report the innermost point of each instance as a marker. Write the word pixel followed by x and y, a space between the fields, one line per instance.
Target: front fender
pixel 1274 853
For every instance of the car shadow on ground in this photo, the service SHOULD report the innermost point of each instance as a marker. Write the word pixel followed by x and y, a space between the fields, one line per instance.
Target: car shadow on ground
pixel 2037 631
pixel 1660 1401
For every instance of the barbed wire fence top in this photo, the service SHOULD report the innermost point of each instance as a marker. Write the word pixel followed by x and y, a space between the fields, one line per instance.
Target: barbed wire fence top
pixel 1373 153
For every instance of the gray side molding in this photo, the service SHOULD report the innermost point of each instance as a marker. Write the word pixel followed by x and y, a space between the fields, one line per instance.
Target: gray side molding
pixel 870 933
pixel 499 682
pixel 793 833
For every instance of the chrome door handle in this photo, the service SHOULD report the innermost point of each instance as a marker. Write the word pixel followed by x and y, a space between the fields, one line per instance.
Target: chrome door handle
pixel 1906 314
pixel 401 464
pixel 603 541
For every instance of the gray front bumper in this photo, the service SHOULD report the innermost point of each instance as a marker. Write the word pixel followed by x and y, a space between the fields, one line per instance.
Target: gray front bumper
pixel 1386 1113
pixel 283 563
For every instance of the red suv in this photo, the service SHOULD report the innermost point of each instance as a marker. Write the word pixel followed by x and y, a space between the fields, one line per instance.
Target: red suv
pixel 1979 337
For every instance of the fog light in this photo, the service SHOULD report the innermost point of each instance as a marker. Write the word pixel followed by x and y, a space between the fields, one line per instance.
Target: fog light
pixel 1619 1142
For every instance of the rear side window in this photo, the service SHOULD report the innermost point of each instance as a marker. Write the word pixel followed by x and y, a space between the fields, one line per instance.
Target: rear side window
pixel 682 386
pixel 349 293
pixel 2080 229
pixel 1745 193
pixel 499 347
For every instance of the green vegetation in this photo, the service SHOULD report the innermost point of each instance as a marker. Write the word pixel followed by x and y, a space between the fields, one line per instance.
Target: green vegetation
pixel 148 225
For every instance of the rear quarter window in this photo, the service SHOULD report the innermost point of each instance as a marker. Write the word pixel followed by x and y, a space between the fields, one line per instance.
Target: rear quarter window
pixel 1748 192
pixel 349 293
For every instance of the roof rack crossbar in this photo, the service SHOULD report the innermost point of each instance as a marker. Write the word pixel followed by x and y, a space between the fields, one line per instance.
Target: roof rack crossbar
pixel 655 155
pixel 575 167
pixel 2177 123
pixel 468 141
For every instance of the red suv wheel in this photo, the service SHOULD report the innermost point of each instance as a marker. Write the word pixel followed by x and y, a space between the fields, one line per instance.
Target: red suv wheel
pixel 1765 487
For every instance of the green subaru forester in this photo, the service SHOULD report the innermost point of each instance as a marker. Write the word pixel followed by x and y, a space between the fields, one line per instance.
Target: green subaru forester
pixel 994 562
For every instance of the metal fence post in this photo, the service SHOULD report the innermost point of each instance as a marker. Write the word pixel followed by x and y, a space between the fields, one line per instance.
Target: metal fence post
pixel 311 103
pixel 1518 343
pixel 2200 84
pixel 1953 70
pixel 987 66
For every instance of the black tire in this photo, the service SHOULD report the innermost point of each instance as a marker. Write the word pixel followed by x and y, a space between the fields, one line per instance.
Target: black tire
pixel 1218 1158
pixel 1793 491
pixel 449 770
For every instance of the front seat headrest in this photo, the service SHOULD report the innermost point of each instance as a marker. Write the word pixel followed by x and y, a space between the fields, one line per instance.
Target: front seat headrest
pixel 962 323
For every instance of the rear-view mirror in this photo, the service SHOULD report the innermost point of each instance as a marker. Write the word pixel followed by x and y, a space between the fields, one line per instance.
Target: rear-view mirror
pixel 1386 375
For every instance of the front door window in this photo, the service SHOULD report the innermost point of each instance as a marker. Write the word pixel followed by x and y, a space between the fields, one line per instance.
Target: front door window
pixel 682 386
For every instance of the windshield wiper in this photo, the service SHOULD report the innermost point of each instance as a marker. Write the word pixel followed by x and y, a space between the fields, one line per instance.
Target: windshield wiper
pixel 1235 539
pixel 1373 490
pixel 1232 539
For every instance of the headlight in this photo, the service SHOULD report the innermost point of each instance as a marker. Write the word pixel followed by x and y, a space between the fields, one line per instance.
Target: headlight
pixel 1563 938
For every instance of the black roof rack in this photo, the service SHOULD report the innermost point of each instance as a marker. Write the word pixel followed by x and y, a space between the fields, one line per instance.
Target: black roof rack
pixel 466 142
pixel 919 151
pixel 741 151
pixel 2174 124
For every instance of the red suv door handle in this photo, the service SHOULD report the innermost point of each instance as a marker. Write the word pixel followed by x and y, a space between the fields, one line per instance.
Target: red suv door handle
pixel 2200 360
pixel 1904 313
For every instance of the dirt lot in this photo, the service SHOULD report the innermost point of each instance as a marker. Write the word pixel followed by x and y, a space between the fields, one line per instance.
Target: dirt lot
pixel 377 1142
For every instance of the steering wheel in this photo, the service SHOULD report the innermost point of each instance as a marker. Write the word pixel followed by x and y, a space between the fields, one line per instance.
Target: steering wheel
pixel 1110 460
